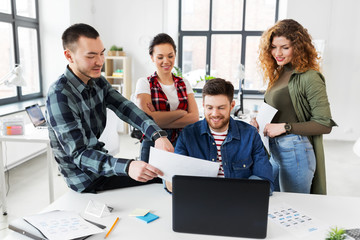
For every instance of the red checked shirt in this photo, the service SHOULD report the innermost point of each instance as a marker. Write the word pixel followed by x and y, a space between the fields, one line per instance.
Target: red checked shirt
pixel 160 100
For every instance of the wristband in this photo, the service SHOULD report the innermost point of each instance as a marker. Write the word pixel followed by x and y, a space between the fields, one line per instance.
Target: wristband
pixel 158 135
pixel 128 166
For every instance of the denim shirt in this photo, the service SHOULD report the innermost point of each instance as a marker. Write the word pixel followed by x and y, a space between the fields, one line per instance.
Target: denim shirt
pixel 243 153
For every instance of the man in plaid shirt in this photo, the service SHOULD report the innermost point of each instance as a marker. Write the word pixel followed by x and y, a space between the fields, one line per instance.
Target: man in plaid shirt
pixel 76 113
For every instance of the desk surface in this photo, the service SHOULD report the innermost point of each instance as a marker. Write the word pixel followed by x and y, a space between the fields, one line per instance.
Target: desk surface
pixel 333 211
pixel 30 134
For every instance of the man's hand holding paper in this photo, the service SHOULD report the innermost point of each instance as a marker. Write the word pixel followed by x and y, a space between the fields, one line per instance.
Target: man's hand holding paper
pixel 174 164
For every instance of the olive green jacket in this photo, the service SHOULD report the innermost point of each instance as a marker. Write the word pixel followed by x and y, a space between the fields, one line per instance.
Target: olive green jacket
pixel 308 95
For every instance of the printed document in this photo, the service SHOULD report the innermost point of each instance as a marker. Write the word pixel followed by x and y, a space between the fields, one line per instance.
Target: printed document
pixel 296 222
pixel 175 164
pixel 59 225
pixel 265 116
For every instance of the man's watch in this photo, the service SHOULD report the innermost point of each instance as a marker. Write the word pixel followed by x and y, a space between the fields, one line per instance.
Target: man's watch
pixel 158 135
pixel 287 127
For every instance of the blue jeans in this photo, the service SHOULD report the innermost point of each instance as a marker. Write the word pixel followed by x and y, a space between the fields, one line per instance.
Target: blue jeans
pixel 294 163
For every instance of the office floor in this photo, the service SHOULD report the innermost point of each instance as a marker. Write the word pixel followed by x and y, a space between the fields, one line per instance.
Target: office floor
pixel 28 182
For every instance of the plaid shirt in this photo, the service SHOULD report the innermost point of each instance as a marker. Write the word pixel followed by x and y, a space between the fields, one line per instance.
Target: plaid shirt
pixel 160 100
pixel 76 114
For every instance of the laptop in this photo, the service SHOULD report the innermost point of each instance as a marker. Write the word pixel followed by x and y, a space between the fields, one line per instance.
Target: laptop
pixel 220 206
pixel 36 116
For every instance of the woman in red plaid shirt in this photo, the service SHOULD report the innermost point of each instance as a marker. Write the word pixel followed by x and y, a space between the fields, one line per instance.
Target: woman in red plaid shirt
pixel 168 99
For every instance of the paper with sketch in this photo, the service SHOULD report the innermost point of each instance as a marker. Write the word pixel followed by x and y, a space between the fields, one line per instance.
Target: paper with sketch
pixel 175 164
pixel 265 115
pixel 298 223
pixel 59 225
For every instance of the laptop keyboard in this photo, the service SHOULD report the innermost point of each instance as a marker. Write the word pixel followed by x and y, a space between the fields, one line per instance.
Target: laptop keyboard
pixel 354 233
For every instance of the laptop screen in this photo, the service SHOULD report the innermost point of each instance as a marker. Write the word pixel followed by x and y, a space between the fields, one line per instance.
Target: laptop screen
pixel 220 206
pixel 35 114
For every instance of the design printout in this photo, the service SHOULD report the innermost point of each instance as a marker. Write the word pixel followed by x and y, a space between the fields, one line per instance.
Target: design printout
pixel 175 164
pixel 59 225
pixel 296 222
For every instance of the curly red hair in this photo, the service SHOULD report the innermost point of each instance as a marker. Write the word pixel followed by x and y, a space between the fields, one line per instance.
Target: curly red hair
pixel 304 57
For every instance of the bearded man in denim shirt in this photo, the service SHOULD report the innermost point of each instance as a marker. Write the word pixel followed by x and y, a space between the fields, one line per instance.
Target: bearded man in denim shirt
pixel 218 137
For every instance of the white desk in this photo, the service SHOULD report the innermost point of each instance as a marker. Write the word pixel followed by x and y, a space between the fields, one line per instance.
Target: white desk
pixel 31 135
pixel 335 211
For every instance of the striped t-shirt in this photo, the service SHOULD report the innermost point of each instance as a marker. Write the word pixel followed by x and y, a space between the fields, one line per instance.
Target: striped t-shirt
pixel 219 139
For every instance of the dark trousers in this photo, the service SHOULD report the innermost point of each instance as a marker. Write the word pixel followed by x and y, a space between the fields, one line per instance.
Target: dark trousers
pixel 114 182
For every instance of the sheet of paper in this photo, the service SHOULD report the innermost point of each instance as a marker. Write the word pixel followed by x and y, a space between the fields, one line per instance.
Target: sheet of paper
pixel 59 225
pixel 175 164
pixel 298 223
pixel 265 115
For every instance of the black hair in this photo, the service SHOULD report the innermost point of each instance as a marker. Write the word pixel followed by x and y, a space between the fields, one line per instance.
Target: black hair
pixel 161 38
pixel 218 86
pixel 72 34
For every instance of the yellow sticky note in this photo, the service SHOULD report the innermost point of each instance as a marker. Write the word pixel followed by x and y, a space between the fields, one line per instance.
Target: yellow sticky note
pixel 139 212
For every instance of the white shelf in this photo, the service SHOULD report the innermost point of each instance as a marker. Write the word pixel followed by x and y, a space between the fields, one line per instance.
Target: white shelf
pixel 113 63
pixel 121 84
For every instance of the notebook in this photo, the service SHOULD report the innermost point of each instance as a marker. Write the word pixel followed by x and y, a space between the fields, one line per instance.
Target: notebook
pixel 36 116
pixel 220 206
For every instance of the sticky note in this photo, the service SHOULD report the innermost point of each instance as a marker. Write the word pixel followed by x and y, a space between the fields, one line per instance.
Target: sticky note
pixel 148 217
pixel 139 212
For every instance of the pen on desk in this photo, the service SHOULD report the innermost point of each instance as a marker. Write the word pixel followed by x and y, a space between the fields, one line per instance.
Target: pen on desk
pixel 112 227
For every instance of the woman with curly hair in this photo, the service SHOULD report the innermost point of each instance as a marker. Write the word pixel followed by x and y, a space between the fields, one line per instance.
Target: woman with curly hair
pixel 290 65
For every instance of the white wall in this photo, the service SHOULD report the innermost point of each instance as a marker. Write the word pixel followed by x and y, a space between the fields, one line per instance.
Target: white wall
pixel 132 24
pixel 81 11
pixel 54 18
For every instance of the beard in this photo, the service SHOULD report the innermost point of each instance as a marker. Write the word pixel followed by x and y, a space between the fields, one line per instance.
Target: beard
pixel 219 126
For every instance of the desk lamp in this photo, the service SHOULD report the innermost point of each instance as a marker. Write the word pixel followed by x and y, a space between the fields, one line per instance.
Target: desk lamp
pixel 14 77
